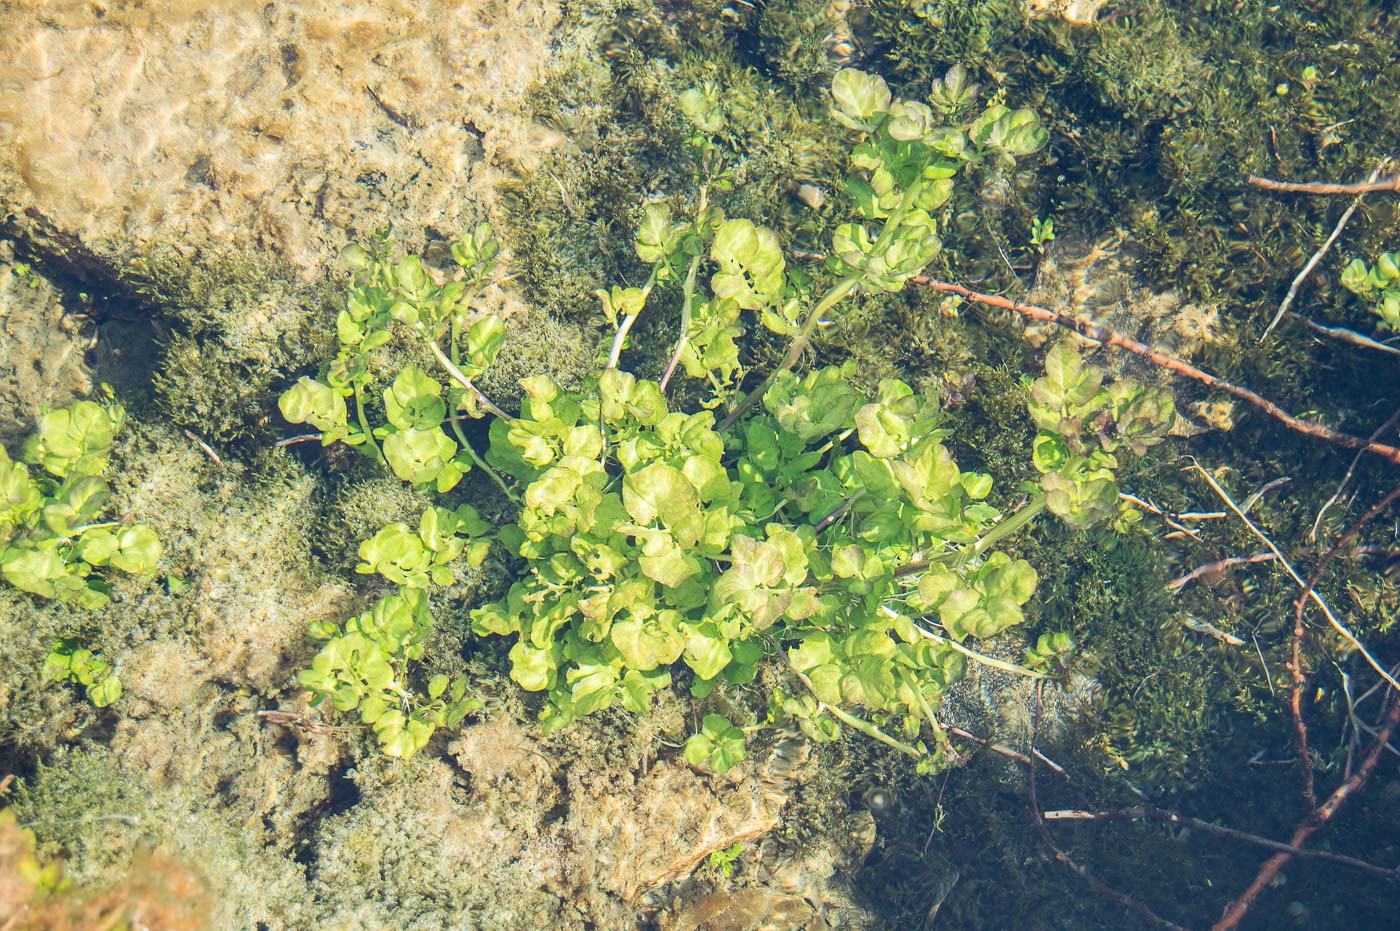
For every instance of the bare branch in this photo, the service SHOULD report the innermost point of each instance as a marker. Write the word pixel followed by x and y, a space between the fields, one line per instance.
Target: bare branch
pixel 1323 187
pixel 1205 827
pixel 1317 256
pixel 1236 910
pixel 1107 892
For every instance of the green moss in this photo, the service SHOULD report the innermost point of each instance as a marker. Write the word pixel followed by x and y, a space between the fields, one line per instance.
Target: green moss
pixel 100 817
pixel 237 326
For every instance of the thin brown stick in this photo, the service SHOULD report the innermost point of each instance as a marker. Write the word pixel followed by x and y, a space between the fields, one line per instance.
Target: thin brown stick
pixel 1297 681
pixel 208 450
pixel 1007 751
pixel 1323 187
pixel 1170 363
pixel 1107 892
pixel 1347 336
pixel 300 438
pixel 1206 827
pixel 1295 660
pixel 1220 565
pixel 1308 591
pixel 1351 470
pixel 1236 910
pixel 1302 276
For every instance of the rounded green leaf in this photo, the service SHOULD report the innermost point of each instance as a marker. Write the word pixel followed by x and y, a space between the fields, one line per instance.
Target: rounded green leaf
pixel 859 99
pixel 139 549
pixel 309 401
pixel 417 456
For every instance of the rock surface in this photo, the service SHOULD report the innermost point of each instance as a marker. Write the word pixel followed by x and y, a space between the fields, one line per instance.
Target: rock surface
pixel 42 349
pixel 274 128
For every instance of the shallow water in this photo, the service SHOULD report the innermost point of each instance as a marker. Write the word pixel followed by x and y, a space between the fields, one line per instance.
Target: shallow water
pixel 178 184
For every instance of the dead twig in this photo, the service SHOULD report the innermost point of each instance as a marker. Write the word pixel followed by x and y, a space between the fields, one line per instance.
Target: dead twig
pixel 1347 336
pixel 1107 892
pixel 300 722
pixel 1215 568
pixel 1323 187
pixel 1295 662
pixel 1206 827
pixel 302 438
pixel 1237 909
pixel 1170 363
pixel 1007 751
pixel 1309 591
pixel 208 450
pixel 1209 629
pixel 1351 470
pixel 1317 256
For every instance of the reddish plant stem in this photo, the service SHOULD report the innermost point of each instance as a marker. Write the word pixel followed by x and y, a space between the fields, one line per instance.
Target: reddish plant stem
pixel 1295 661
pixel 1206 827
pixel 1236 910
pixel 1170 363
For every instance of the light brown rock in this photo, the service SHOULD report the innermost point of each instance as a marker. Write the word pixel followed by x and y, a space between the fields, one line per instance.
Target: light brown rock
pixel 269 127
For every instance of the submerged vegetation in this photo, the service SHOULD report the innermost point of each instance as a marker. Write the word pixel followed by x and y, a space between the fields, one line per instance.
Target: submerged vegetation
pixel 744 493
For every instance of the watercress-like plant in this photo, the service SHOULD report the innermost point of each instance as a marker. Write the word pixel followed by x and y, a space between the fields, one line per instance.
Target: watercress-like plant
pixel 1085 427
pixel 812 525
pixel 401 297
pixel 70 661
pixel 53 540
pixel 1379 283
pixel 365 666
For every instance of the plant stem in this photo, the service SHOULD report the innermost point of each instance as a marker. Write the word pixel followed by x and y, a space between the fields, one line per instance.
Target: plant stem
pixel 457 428
pixel 994 536
pixel 840 511
pixel 833 297
pixel 622 331
pixel 994 663
pixel 687 293
pixel 865 727
pixel 364 423
pixel 870 730
pixel 460 378
pixel 1009 526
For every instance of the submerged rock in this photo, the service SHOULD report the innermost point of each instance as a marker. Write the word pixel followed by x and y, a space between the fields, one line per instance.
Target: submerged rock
pixel 42 348
pixel 273 128
pixel 205 163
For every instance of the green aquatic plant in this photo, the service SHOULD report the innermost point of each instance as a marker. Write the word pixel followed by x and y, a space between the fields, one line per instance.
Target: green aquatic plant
pixel 410 441
pixel 1379 283
pixel 1085 427
pixel 53 540
pixel 69 661
pixel 719 745
pixel 722 861
pixel 364 666
pixel 812 525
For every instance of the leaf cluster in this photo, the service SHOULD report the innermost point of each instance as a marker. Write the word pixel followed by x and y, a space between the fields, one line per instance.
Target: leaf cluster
pixel 70 661
pixel 386 297
pixel 365 665
pixel 53 542
pixel 1380 283
pixel 904 165
pixel 1085 428
pixel 652 540
pixel 719 745
pixel 814 526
